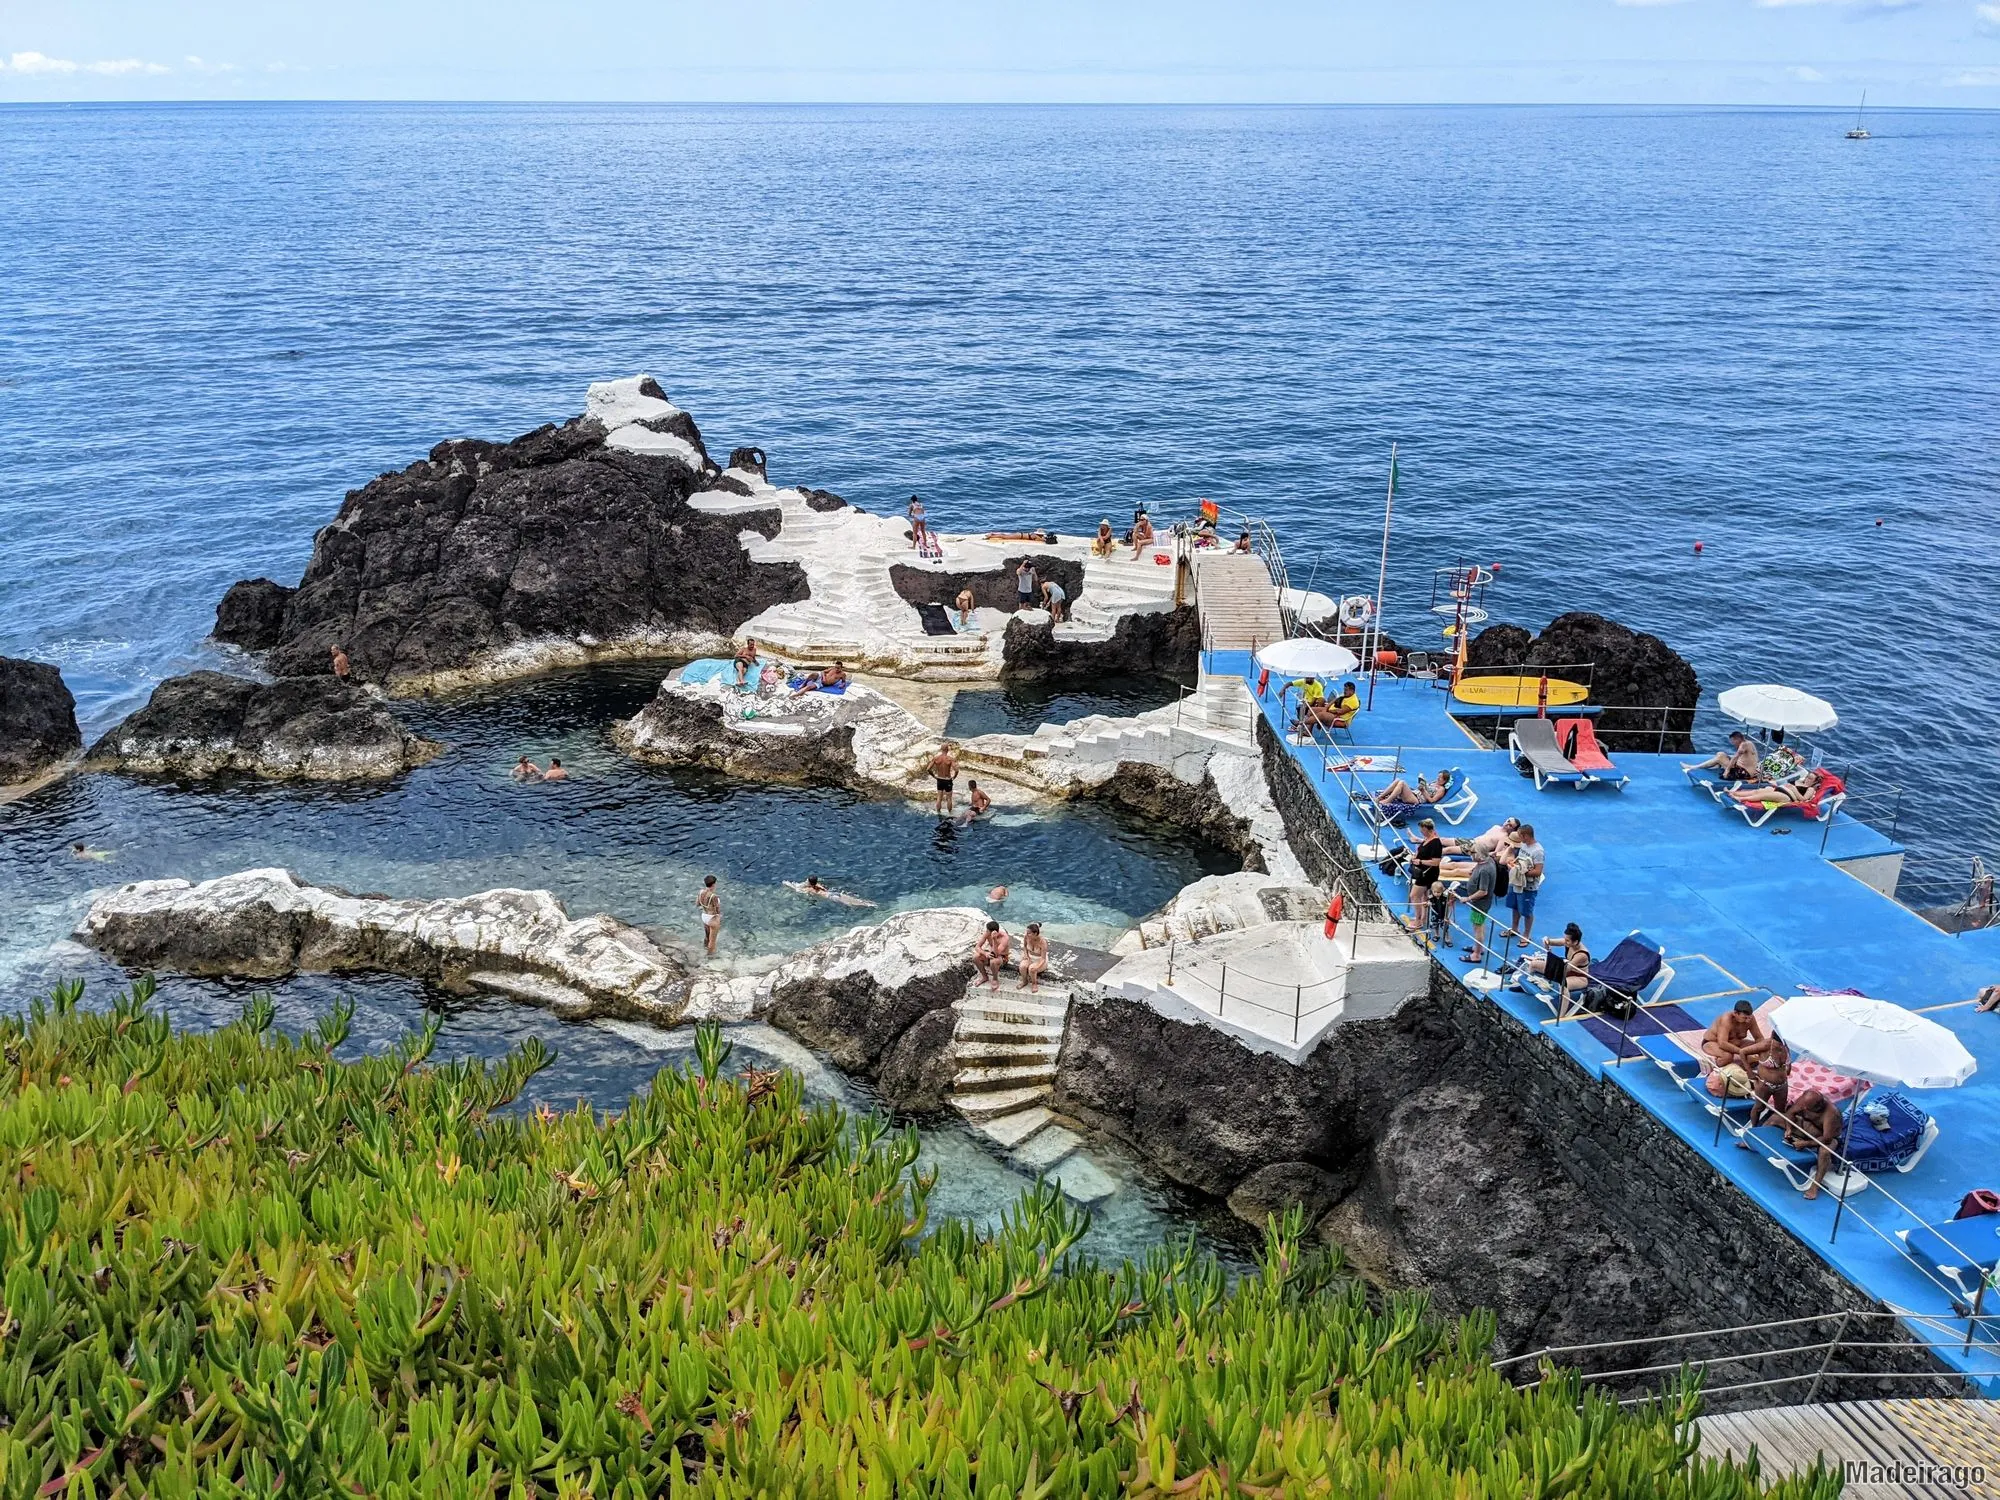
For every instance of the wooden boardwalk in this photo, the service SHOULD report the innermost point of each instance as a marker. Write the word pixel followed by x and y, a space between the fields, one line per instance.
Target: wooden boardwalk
pixel 1931 1449
pixel 1239 605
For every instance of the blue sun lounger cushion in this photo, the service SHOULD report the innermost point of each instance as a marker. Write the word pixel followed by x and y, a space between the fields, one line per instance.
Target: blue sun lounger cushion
pixel 1875 1150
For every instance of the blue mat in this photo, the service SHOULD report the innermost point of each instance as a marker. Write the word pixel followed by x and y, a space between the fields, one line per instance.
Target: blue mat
pixel 709 669
pixel 1619 1037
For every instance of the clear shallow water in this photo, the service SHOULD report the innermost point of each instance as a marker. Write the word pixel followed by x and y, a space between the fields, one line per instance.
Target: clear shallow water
pixel 1019 707
pixel 1599 334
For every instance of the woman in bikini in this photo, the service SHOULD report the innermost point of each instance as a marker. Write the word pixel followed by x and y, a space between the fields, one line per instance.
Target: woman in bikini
pixel 1399 793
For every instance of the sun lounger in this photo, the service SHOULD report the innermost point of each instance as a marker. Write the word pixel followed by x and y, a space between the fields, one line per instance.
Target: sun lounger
pixel 1965 1253
pixel 1837 1184
pixel 1819 806
pixel 1577 738
pixel 1531 745
pixel 1454 809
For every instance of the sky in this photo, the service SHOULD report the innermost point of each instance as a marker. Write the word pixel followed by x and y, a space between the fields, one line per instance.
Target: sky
pixel 1787 52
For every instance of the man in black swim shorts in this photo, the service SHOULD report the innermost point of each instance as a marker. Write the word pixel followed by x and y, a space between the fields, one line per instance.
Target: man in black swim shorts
pixel 944 770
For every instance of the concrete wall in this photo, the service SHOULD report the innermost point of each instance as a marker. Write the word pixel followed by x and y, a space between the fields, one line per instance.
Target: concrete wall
pixel 1880 871
pixel 1320 846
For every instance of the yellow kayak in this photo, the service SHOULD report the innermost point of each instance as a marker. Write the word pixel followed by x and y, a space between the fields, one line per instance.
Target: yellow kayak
pixel 1517 692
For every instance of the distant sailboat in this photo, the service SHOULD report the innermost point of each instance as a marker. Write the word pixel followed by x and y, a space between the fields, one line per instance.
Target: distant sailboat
pixel 1860 131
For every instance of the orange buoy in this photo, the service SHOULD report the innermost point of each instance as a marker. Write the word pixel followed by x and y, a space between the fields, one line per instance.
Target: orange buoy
pixel 1334 908
pixel 1698 546
pixel 1386 658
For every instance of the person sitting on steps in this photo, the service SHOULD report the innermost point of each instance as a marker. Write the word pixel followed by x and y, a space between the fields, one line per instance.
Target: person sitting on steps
pixel 989 954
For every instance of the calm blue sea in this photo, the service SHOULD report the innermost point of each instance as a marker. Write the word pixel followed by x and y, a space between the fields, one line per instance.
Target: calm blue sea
pixel 1599 335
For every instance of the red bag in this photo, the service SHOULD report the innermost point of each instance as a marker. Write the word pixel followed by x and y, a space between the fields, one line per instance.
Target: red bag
pixel 1978 1201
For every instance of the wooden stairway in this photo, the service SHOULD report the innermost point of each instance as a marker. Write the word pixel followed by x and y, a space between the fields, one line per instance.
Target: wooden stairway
pixel 1239 605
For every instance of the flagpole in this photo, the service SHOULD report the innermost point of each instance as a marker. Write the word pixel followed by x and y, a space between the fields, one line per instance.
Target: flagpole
pixel 1382 577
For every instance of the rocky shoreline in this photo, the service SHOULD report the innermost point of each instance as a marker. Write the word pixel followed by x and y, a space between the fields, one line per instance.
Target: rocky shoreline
pixel 38 731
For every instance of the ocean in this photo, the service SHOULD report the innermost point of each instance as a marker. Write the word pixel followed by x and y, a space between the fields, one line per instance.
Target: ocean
pixel 1599 336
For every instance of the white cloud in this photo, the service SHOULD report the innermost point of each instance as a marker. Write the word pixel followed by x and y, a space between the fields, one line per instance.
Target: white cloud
pixel 40 63
pixel 1975 78
pixel 1806 75
pixel 198 66
pixel 35 62
pixel 1989 17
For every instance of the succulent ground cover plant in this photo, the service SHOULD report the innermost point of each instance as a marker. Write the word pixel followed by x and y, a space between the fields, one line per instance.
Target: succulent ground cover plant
pixel 235 1265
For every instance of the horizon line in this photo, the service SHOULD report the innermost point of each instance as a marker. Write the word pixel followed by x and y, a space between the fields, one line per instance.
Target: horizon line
pixel 1271 104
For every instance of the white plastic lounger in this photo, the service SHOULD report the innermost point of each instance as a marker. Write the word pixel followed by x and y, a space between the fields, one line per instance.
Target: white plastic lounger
pixel 1531 745
pixel 1757 817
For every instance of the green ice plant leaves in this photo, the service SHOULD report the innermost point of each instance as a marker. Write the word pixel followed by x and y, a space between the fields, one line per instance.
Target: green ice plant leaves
pixel 234 1265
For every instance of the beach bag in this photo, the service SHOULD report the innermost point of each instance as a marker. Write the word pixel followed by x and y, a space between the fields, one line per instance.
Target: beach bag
pixel 1609 1002
pixel 1393 861
pixel 1978 1201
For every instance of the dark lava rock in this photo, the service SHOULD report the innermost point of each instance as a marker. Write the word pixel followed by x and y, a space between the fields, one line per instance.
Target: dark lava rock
pixel 37 720
pixel 750 460
pixel 1462 1200
pixel 1164 643
pixel 205 723
pixel 486 560
pixel 1270 1191
pixel 918 1071
pixel 992 588
pixel 1155 792
pixel 677 729
pixel 877 1000
pixel 822 500
pixel 1648 690
pixel 252 614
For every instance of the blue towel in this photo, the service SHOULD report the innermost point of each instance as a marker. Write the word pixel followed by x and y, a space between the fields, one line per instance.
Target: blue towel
pixel 818 687
pixel 1875 1150
pixel 709 669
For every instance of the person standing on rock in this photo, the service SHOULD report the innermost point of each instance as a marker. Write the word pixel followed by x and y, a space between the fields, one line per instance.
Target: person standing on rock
pixel 1024 585
pixel 1056 596
pixel 965 604
pixel 340 663
pixel 944 771
pixel 916 514
pixel 710 902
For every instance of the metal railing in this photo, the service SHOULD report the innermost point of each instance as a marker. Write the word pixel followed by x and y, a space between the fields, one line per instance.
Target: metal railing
pixel 1819 1372
pixel 1181 973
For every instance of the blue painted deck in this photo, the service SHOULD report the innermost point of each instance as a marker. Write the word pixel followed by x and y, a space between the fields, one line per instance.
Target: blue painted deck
pixel 1766 907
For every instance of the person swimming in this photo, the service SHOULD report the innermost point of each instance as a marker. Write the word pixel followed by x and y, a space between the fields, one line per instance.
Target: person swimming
pixel 997 894
pixel 555 772
pixel 84 851
pixel 812 885
pixel 526 770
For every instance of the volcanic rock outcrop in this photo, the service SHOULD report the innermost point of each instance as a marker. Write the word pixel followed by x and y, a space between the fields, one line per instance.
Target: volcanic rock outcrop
pixel 1648 689
pixel 878 1000
pixel 37 720
pixel 859 738
pixel 313 728
pixel 264 924
pixel 487 560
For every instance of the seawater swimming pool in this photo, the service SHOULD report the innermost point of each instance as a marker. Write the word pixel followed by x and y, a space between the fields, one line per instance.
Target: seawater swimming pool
pixel 622 837
pixel 1767 907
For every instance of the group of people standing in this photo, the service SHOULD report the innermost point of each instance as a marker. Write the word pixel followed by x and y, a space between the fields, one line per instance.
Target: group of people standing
pixel 1505 863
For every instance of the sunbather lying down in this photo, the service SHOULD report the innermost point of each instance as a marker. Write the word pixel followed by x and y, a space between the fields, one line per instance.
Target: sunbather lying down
pixel 1399 793
pixel 1801 788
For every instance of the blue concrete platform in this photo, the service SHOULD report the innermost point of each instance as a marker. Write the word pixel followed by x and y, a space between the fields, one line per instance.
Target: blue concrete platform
pixel 1767 908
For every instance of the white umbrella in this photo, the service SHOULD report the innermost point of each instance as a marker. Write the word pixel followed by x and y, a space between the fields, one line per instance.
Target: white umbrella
pixel 1771 706
pixel 1307 656
pixel 1874 1040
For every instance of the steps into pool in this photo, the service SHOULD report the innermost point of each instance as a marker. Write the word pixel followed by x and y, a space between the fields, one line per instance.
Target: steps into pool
pixel 1004 1046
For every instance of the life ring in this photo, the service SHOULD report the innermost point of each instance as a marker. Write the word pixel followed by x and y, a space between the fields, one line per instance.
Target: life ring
pixel 1356 610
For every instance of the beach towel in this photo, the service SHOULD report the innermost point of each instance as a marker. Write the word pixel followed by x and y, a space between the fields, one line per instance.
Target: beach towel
pixel 709 669
pixel 797 683
pixel 1874 1149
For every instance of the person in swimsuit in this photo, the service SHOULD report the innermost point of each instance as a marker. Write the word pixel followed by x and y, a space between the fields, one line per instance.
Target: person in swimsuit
pixel 710 903
pixel 965 604
pixel 1104 542
pixel 944 771
pixel 527 770
pixel 1814 1124
pixel 1425 867
pixel 1801 788
pixel 1738 763
pixel 916 515
pixel 1243 541
pixel 1055 596
pixel 340 663
pixel 746 661
pixel 1024 585
pixel 997 894
pixel 1034 957
pixel 1770 1083
pixel 555 772
pixel 1735 1037
pixel 989 954
pixel 979 802
pixel 1142 534
pixel 1400 793
pixel 84 851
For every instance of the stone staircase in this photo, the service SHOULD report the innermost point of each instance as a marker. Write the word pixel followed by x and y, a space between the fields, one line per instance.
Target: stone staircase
pixel 1005 1045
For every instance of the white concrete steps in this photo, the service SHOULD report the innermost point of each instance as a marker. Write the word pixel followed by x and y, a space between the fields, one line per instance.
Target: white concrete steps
pixel 1005 1046
pixel 981 1107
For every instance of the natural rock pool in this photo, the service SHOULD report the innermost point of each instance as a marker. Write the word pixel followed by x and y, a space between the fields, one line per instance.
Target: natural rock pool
pixel 620 837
